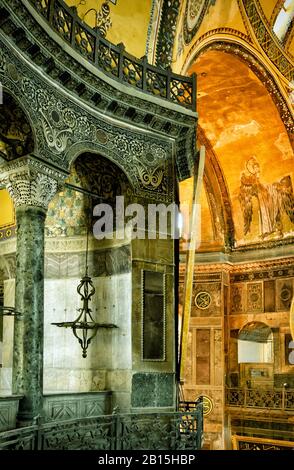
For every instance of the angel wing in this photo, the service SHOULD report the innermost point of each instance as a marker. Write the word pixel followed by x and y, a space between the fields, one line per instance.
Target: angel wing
pixel 287 197
pixel 245 199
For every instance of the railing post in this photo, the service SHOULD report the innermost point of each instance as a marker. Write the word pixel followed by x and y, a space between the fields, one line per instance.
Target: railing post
pixel 96 48
pixel 73 33
pixel 199 417
pixel 39 436
pixel 115 430
pixel 283 398
pixel 121 61
pixel 51 11
pixel 144 73
pixel 168 80
pixel 194 91
pixel 245 396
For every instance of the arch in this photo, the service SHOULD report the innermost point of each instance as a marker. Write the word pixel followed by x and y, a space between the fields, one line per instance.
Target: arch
pixel 80 148
pixel 255 346
pixel 255 331
pixel 227 132
pixel 249 56
pixel 213 171
pixel 99 180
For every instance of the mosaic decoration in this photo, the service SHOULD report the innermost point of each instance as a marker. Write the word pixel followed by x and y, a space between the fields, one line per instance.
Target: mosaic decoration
pixel 194 14
pixel 68 213
pixel 274 200
pixel 165 41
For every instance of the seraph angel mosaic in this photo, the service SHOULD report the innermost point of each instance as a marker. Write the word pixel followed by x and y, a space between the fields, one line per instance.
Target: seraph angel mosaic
pixel 274 200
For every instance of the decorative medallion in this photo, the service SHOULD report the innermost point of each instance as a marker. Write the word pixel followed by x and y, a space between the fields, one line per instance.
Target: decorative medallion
pixel 286 293
pixel 195 11
pixel 207 404
pixel 203 300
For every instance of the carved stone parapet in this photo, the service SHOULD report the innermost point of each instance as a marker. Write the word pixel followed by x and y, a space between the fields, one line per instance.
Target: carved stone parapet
pixel 31 182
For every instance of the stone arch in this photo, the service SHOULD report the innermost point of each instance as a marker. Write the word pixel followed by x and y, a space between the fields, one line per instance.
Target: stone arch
pixel 213 172
pixel 80 148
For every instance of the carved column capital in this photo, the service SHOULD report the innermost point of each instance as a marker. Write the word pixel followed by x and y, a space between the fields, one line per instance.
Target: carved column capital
pixel 31 182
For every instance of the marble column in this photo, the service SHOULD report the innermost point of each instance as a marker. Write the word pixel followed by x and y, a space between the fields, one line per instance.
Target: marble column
pixel 31 184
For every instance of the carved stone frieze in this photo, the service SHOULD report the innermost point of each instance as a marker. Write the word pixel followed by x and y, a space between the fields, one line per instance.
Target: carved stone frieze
pixel 63 130
pixel 90 89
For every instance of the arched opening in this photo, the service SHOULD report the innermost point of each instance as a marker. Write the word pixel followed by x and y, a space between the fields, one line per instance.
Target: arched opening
pixel 234 110
pixel 16 140
pixel 255 354
pixel 93 180
pixel 6 324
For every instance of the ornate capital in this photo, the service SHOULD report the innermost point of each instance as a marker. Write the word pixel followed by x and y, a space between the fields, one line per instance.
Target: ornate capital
pixel 31 182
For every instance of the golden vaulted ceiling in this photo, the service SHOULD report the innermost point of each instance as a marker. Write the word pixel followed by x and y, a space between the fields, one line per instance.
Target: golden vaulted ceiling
pixel 244 103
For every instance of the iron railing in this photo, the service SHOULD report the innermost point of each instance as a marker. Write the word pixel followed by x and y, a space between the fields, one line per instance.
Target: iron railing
pixel 113 59
pixel 147 431
pixel 277 398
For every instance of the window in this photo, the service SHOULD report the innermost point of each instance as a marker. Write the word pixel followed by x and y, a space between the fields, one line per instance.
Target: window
pixel 284 19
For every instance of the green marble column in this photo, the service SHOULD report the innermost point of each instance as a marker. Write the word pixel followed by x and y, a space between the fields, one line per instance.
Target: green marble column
pixel 31 184
pixel 29 299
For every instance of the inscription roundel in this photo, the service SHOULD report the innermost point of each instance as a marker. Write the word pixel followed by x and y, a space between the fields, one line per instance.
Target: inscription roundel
pixel 207 404
pixel 203 300
pixel 285 294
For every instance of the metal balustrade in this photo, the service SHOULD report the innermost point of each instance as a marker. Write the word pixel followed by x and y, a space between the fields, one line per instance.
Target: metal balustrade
pixel 113 59
pixel 275 399
pixel 144 431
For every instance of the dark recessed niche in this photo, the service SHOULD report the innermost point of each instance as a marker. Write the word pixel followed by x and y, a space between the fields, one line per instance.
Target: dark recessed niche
pixel 153 316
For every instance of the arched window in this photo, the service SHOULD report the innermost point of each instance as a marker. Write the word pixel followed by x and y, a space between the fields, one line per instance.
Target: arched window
pixel 284 19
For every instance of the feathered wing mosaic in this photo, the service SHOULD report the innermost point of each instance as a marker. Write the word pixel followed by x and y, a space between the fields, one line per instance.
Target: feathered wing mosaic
pixel 274 200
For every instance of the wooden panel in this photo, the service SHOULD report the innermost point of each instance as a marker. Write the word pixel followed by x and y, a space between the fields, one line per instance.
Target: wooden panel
pixel 269 296
pixel 203 357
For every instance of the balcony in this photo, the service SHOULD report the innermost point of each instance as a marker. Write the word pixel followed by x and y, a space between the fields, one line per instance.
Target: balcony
pixel 144 431
pixel 113 60
pixel 271 399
